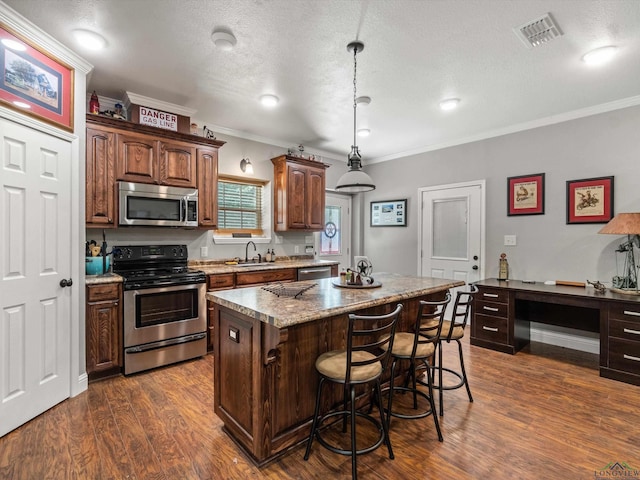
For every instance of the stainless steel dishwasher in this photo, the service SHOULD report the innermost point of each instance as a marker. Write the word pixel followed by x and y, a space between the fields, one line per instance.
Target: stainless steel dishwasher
pixel 313 273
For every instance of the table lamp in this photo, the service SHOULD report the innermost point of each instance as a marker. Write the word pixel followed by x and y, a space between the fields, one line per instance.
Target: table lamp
pixel 626 224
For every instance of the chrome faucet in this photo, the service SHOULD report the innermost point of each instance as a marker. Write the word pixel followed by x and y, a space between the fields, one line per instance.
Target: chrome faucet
pixel 246 250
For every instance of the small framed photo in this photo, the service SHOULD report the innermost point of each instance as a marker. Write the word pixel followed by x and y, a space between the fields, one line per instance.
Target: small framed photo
pixel 525 195
pixel 590 200
pixel 35 83
pixel 389 213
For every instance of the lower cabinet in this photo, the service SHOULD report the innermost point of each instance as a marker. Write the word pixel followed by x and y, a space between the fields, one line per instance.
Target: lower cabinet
pixel 622 343
pixel 104 330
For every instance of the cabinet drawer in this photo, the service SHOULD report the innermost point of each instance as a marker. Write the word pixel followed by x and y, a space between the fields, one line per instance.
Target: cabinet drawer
pixel 492 308
pixel 627 330
pixel 499 295
pixel 492 329
pixel 251 278
pixel 624 355
pixel 99 293
pixel 225 280
pixel 625 311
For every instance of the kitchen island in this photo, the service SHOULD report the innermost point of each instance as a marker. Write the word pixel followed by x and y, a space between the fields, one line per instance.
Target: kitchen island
pixel 265 349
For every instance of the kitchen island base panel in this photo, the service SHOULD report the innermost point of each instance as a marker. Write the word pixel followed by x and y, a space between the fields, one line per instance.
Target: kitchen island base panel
pixel 265 381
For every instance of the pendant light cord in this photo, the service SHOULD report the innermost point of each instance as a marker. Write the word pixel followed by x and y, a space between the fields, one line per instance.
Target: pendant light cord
pixel 355 66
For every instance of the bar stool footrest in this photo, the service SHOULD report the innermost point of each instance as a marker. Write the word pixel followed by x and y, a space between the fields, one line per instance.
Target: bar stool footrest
pixel 446 387
pixel 341 451
pixel 415 416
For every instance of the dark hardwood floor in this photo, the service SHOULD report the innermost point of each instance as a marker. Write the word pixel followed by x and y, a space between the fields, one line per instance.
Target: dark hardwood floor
pixel 543 413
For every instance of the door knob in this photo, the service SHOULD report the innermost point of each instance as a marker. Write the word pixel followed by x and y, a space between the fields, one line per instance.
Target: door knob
pixel 66 283
pixel 475 257
pixel 475 267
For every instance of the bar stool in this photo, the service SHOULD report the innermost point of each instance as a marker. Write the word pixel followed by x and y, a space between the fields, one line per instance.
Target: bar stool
pixel 369 343
pixel 417 347
pixel 454 330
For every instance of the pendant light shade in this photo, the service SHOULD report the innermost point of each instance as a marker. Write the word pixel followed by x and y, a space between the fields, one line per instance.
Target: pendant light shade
pixel 355 180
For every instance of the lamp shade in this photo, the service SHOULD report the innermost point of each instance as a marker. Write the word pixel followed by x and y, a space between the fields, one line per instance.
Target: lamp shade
pixel 355 181
pixel 623 224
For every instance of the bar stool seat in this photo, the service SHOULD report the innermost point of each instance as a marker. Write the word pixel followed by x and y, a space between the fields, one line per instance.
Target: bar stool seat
pixel 369 343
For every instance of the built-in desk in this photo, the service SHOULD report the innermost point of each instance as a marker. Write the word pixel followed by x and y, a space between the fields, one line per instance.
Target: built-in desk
pixel 503 311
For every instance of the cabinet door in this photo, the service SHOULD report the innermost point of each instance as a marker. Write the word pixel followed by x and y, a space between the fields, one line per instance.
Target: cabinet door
pixel 103 329
pixel 177 164
pixel 100 177
pixel 315 198
pixel 207 187
pixel 296 197
pixel 137 158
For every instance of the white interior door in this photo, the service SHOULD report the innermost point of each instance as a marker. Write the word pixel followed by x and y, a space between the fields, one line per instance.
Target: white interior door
pixel 35 322
pixel 452 232
pixel 334 242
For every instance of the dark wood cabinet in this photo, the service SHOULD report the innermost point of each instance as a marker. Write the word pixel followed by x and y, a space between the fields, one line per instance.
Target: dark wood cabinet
pixel 622 349
pixel 220 281
pixel 493 324
pixel 118 150
pixel 207 167
pixel 299 194
pixel 100 177
pixel 103 330
pixel 246 279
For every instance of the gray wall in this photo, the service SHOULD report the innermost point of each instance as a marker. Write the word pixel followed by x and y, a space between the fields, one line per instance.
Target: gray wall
pixel 548 248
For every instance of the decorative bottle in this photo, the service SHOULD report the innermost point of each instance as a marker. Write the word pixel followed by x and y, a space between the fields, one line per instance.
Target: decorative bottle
pixel 503 271
pixel 94 104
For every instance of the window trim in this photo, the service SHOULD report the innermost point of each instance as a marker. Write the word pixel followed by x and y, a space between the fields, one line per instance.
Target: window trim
pixel 225 235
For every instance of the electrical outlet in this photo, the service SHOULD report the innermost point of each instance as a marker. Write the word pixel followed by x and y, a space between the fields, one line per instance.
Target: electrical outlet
pixel 510 240
pixel 296 249
pixel 204 252
pixel 308 249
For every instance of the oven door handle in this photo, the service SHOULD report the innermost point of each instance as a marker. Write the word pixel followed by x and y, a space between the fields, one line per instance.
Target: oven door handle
pixel 165 343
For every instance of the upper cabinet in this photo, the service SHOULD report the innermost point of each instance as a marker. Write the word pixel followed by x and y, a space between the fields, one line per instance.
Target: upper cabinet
pixel 299 195
pixel 118 150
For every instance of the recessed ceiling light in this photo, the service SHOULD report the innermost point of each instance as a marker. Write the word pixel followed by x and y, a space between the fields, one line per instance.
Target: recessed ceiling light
pixel 223 40
pixel 21 104
pixel 363 100
pixel 599 56
pixel 364 132
pixel 14 44
pixel 89 40
pixel 269 100
pixel 449 103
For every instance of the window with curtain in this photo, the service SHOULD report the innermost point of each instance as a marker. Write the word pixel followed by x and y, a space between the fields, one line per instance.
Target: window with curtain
pixel 240 205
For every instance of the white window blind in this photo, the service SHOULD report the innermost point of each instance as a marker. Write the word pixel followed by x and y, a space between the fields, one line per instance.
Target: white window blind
pixel 240 205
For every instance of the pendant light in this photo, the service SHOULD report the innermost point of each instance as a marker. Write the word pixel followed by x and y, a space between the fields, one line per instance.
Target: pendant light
pixel 355 180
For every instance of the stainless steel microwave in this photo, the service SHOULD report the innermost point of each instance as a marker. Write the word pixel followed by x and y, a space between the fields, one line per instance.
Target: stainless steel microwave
pixel 157 205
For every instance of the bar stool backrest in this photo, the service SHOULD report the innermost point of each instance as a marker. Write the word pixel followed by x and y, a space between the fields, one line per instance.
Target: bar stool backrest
pixel 462 309
pixel 372 334
pixel 429 322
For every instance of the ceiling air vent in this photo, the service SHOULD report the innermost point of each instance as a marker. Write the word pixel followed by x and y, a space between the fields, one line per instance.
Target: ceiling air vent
pixel 538 31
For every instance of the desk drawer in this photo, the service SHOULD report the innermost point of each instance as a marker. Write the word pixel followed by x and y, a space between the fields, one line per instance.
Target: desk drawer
pixel 499 295
pixel 627 330
pixel 219 281
pixel 625 311
pixel 492 308
pixel 624 355
pixel 492 329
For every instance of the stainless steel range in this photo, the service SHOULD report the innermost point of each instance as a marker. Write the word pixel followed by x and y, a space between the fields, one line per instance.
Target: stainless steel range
pixel 164 306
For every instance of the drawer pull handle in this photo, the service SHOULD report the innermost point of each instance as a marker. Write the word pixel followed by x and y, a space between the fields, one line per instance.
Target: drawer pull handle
pixel 491 309
pixel 493 329
pixel 628 330
pixel 633 314
pixel 492 295
pixel 629 357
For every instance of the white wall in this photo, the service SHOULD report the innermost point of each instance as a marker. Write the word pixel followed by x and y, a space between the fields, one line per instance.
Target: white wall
pixel 547 248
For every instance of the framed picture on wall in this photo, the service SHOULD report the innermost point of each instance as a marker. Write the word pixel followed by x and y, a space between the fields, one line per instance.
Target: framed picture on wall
pixel 389 213
pixel 590 200
pixel 35 83
pixel 525 194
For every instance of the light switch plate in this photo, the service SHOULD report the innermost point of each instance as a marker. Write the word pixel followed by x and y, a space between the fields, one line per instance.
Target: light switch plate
pixel 510 240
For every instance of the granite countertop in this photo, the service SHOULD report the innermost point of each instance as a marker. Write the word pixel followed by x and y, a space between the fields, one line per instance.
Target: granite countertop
pixel 213 267
pixel 325 299
pixel 99 279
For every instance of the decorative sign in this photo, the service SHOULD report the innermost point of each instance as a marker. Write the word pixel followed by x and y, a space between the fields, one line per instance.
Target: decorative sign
pixel 525 194
pixel 156 118
pixel 590 200
pixel 389 213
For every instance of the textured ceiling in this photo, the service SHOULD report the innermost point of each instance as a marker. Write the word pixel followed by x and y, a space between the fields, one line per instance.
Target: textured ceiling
pixel 417 52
